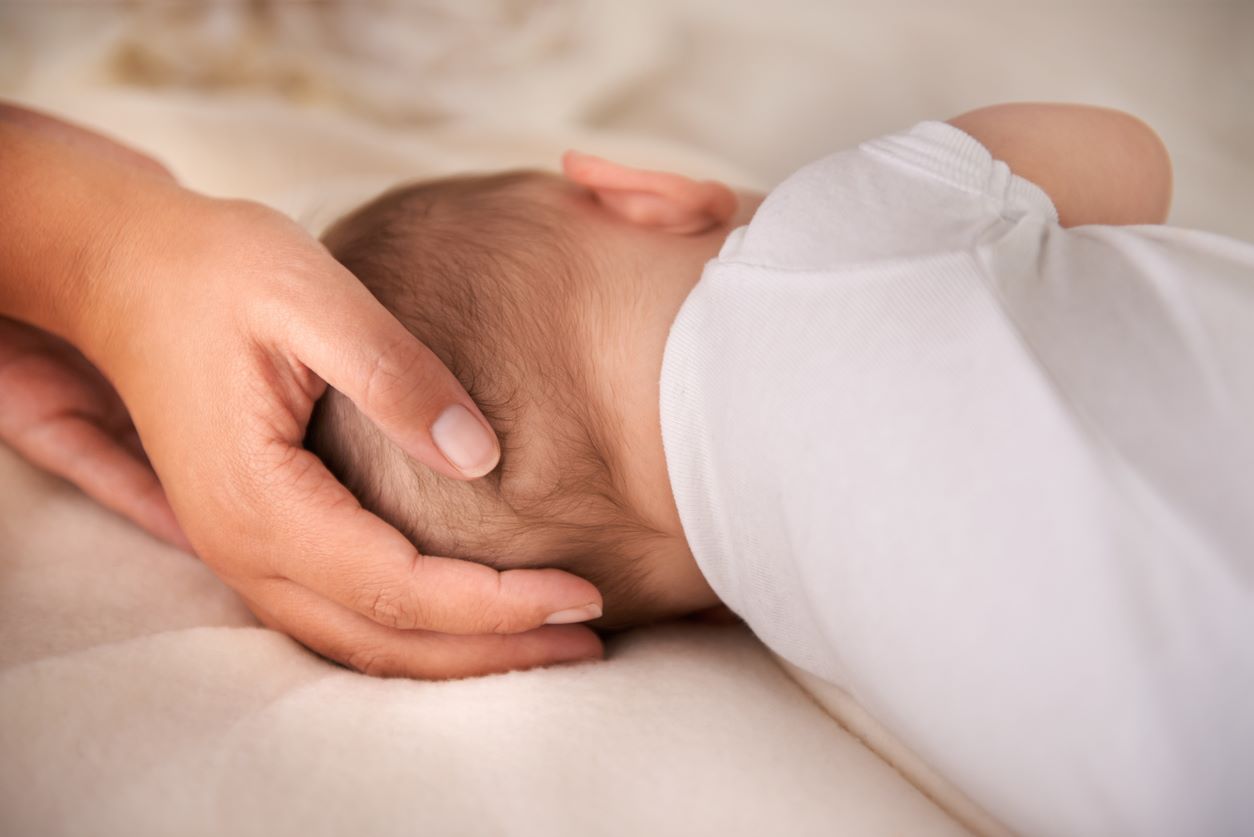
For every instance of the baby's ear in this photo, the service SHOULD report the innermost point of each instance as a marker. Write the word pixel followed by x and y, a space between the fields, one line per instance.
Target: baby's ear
pixel 667 202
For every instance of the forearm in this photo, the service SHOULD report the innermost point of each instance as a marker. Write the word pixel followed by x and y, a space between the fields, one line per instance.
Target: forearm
pixel 52 129
pixel 68 200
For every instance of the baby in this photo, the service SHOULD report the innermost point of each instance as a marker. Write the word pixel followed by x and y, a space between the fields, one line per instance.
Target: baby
pixel 553 313
pixel 934 426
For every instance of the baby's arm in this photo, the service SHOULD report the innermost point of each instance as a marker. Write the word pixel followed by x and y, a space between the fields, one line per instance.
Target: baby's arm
pixel 1100 166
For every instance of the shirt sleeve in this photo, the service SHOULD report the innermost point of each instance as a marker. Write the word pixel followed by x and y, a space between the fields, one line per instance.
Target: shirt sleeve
pixel 931 189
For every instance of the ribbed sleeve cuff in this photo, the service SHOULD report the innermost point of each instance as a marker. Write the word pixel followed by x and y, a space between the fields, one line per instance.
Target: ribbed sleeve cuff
pixel 951 154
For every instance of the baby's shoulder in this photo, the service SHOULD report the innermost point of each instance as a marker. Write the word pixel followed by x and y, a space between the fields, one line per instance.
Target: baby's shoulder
pixel 927 190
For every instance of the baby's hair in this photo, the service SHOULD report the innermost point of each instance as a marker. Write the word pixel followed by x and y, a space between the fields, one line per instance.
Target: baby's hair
pixel 452 259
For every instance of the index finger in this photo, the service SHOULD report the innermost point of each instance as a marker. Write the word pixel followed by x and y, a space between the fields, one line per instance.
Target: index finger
pixel 348 555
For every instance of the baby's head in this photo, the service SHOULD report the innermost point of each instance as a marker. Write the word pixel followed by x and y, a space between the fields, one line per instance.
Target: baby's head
pixel 550 301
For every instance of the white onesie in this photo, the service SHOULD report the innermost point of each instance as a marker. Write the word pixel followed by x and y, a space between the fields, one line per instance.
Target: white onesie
pixel 992 476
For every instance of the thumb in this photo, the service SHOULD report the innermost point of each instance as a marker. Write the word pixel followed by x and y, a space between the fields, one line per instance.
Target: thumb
pixel 355 344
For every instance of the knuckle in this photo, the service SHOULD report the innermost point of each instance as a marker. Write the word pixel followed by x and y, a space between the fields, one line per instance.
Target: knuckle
pixel 502 620
pixel 374 662
pixel 387 374
pixel 499 621
pixel 399 379
pixel 392 607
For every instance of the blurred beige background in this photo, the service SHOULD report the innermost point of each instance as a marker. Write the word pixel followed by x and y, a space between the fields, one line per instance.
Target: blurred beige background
pixel 763 87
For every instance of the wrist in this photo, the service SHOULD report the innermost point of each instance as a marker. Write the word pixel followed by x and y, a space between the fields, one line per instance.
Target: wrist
pixel 68 218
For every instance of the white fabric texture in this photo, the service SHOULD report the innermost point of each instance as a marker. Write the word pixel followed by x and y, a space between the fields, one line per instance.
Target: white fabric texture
pixel 990 476
pixel 140 698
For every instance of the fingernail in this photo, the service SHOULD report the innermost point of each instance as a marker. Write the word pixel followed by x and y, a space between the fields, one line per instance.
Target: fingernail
pixel 574 614
pixel 465 442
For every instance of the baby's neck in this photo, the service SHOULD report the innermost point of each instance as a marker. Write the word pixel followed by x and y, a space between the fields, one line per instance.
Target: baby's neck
pixel 628 321
pixel 628 338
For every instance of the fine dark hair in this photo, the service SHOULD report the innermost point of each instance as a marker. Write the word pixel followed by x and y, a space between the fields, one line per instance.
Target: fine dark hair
pixel 485 272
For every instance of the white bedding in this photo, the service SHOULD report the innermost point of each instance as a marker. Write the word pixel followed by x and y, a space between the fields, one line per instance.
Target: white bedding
pixel 137 696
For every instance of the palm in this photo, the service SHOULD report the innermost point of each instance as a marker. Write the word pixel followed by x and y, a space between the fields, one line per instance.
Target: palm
pixel 61 414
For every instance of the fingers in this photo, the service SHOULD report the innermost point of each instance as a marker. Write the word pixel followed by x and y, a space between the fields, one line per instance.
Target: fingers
pixel 365 646
pixel 82 453
pixel 353 558
pixel 355 345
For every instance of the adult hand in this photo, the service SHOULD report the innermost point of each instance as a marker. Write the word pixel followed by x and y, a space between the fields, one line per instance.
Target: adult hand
pixel 62 415
pixel 218 322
